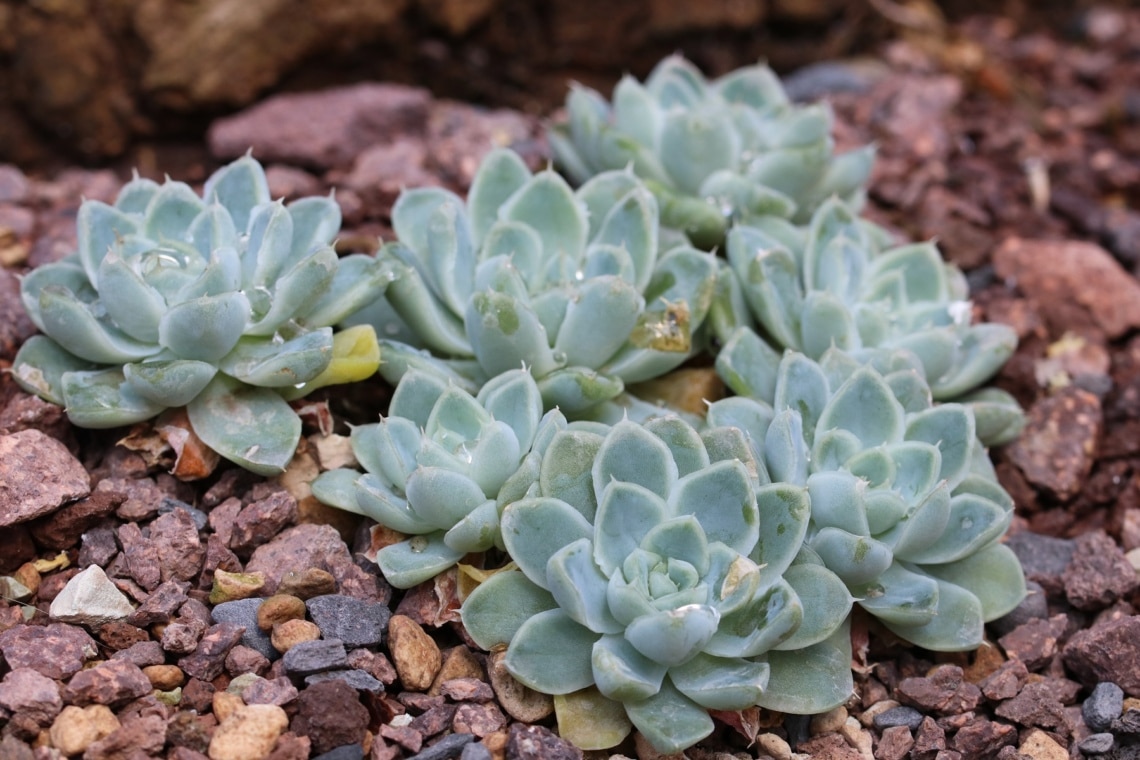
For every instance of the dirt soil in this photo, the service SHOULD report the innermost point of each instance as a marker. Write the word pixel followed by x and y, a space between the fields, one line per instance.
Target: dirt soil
pixel 1018 150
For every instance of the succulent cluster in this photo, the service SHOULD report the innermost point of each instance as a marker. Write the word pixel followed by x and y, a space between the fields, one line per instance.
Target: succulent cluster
pixel 715 153
pixel 653 573
pixel 644 568
pixel 223 304
pixel 834 284
pixel 531 273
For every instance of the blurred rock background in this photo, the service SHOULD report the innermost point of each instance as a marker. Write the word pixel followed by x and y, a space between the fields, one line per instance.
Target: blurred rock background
pixel 85 80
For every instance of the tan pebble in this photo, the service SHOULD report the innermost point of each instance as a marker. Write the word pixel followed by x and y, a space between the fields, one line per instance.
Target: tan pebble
pixel 291 632
pixel 164 677
pixel 857 737
pixel 224 704
pixel 458 662
pixel 279 608
pixel 867 717
pixel 242 682
pixel 774 745
pixel 28 576
pixel 497 743
pixel 229 586
pixel 1130 703
pixel 1040 746
pixel 829 721
pixel 249 732
pixel 76 728
pixel 307 583
pixel 987 659
pixel 415 654
pixel 520 702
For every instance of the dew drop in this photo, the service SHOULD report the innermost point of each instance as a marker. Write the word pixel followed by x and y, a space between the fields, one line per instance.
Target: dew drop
pixel 418 544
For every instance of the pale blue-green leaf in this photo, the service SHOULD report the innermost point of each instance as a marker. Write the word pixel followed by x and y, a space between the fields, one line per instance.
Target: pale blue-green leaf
pixel 683 440
pixel 974 522
pixel 801 386
pixel 837 501
pixel 922 268
pixel 835 267
pixel 296 291
pixel 495 455
pixel 76 329
pixel 498 606
pixel 936 348
pixel 732 579
pixel 632 454
pixel 742 199
pixel 269 364
pixel 625 515
pixel 221 275
pixel 412 212
pixel 994 575
pixel 566 154
pixel 679 538
pixel 131 303
pixel 785 511
pixel 103 399
pixel 722 499
pixel 171 383
pixel 694 145
pixel 833 448
pixel 811 680
pixel 917 468
pixel 376 499
pixel 500 174
pixel 213 228
pixel 135 196
pixel 337 488
pixel 551 653
pixel 986 486
pixel 675 81
pixel 579 587
pixel 450 257
pixel 567 470
pixel 517 244
pixel 456 418
pixel 900 596
pixel 728 311
pixel 826 604
pixel 622 673
pixel 719 683
pixel 669 720
pixel 578 389
pixel 440 330
pixel 513 398
pixel 632 224
pixel 886 513
pixel 875 466
pixel 950 427
pixel 598 320
pixel 39 367
pixel 787 455
pixel 253 427
pixel 65 274
pixel 316 220
pixel 998 418
pixel 770 279
pixel 239 186
pixel 269 244
pixel 957 626
pixel 602 191
pixel 846 173
pixel 442 497
pixel 400 358
pixel 910 388
pixel 205 328
pixel 792 171
pixel 772 614
pixel 477 532
pixel 506 334
pixel 922 526
pixel 755 86
pixel 548 204
pixel 684 275
pixel 983 350
pixel 170 212
pixel 635 112
pixel 98 228
pixel 748 365
pixel 671 637
pixel 416 395
pixel 416 559
pixel 865 407
pixel 856 559
pixel 534 529
pixel 826 323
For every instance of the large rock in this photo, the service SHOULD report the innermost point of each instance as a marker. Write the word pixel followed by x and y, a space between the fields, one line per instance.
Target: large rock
pixel 38 475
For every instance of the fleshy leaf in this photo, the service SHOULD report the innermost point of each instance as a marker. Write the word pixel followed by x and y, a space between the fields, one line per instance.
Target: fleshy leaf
pixel 498 606
pixel 416 559
pixel 535 529
pixel 253 427
pixel 552 654
pixel 670 720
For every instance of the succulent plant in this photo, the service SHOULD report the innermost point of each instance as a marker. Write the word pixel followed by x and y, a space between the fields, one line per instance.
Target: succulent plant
pixel 905 506
pixel 222 304
pixel 715 153
pixel 653 581
pixel 528 272
pixel 441 466
pixel 834 284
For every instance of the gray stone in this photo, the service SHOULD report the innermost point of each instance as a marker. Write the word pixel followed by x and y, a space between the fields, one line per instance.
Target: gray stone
pixel 355 622
pixel 344 752
pixel 243 612
pixel 898 716
pixel 91 599
pixel 310 657
pixel 357 679
pixel 475 751
pixel 1096 744
pixel 1043 558
pixel 1103 706
pixel 447 747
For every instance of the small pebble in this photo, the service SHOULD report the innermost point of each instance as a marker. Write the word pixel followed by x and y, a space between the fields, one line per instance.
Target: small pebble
pixel 343 752
pixel 77 728
pixel 415 654
pixel 310 657
pixel 91 599
pixel 1038 745
pixel 355 622
pixel 448 747
pixel 1103 706
pixel 829 721
pixel 164 677
pixel 250 731
pixel 475 751
pixel 279 608
pixel 520 702
pixel 287 635
pixel 307 584
pixel 229 587
pixel 1097 744
pixel 357 679
pixel 774 745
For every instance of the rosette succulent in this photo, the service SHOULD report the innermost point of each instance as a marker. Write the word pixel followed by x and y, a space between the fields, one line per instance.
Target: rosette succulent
pixel 223 304
pixel 654 581
pixel 715 153
pixel 835 284
pixel 529 272
pixel 441 466
pixel 905 506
